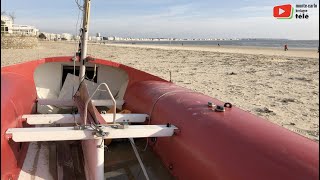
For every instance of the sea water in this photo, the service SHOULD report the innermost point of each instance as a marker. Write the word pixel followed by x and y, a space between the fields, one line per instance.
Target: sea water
pixel 278 43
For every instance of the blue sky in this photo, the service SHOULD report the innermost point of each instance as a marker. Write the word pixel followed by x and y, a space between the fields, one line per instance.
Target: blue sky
pixel 168 18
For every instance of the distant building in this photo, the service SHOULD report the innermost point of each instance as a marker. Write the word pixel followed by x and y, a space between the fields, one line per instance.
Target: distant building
pixel 25 30
pixel 76 37
pixel 66 36
pixel 57 37
pixel 110 38
pixel 51 36
pixel 8 27
pixel 6 24
pixel 94 38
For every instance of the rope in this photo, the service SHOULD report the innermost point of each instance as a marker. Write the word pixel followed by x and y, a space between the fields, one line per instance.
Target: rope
pixel 74 119
pixel 94 75
pixel 76 30
pixel 139 159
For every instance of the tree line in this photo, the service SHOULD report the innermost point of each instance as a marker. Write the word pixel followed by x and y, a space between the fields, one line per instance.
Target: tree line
pixel 12 15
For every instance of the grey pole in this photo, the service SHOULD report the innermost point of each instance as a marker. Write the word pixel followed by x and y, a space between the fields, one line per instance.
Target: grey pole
pixel 86 14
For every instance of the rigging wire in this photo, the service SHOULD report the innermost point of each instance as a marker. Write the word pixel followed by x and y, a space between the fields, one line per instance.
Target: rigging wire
pixel 74 61
pixel 77 29
pixel 79 6
pixel 154 105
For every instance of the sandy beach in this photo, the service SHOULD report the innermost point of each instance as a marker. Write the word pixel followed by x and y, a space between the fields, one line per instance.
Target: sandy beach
pixel 280 86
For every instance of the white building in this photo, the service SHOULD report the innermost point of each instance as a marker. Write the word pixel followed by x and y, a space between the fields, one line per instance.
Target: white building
pixel 94 38
pixel 110 38
pixel 50 36
pixel 6 24
pixel 66 36
pixel 24 30
pixel 53 36
pixel 76 37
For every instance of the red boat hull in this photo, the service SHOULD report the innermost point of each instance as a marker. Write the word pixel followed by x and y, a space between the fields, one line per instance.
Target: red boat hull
pixel 209 145
pixel 221 145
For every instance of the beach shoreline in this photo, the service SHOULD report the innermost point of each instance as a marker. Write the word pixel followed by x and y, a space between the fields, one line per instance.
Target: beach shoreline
pixel 182 43
pixel 292 52
pixel 254 50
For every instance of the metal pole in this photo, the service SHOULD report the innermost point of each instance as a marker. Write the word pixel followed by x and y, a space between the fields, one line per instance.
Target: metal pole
pixel 99 172
pixel 85 29
pixel 98 162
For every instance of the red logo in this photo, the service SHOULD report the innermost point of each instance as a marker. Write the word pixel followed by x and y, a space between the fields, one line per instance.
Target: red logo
pixel 283 11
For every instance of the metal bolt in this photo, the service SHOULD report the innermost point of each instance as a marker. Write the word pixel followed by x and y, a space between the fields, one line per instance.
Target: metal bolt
pixel 153 139
pixel 9 136
pixel 219 109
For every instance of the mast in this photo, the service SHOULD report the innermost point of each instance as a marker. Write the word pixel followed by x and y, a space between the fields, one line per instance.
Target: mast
pixel 85 29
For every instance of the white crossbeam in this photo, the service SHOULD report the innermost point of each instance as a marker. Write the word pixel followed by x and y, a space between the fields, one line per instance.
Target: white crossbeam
pixel 69 103
pixel 69 133
pixel 34 119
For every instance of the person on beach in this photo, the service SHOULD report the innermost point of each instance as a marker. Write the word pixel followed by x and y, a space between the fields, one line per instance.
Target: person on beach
pixel 285 47
pixel 218 44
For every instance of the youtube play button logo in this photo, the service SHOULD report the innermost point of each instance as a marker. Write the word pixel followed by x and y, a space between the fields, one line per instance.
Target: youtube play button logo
pixel 283 11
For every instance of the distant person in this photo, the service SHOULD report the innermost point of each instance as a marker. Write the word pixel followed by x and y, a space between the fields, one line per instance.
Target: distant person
pixel 286 47
pixel 218 44
pixel 182 44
